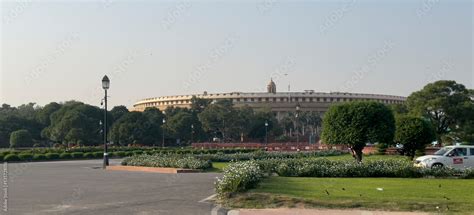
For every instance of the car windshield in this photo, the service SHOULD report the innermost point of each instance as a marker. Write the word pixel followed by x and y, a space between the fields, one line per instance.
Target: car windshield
pixel 442 151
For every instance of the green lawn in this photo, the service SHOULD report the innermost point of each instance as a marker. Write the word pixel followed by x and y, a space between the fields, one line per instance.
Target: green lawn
pixel 444 195
pixel 217 166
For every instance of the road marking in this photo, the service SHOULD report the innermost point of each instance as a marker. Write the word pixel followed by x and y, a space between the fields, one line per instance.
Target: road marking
pixel 208 198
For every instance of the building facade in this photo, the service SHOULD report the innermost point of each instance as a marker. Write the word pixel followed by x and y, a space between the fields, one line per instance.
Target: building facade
pixel 279 103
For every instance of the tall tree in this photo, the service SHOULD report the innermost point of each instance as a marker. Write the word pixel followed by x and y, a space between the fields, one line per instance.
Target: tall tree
pixel 358 123
pixel 444 103
pixel 117 112
pixel 414 133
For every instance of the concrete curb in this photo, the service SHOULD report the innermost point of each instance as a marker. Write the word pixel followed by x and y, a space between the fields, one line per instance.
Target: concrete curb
pixel 151 169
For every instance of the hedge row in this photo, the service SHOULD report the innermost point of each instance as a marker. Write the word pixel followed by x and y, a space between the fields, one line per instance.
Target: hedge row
pixel 149 150
pixel 167 160
pixel 61 156
pixel 260 155
pixel 240 176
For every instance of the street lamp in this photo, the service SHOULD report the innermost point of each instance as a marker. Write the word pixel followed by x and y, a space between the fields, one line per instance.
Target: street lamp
pixel 297 132
pixel 163 128
pixel 266 132
pixel 192 133
pixel 105 86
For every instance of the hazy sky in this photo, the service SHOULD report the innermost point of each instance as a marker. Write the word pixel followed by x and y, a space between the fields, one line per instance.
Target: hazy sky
pixel 59 50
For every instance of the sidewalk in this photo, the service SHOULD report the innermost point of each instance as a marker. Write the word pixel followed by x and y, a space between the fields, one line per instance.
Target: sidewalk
pixel 295 211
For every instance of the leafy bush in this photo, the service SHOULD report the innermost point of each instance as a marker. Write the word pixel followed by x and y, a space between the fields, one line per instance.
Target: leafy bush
pixel 170 160
pixel 320 167
pixel 98 154
pixel 1 157
pixel 88 155
pixel 260 155
pixel 77 155
pixel 52 156
pixel 25 156
pixel 39 157
pixel 120 154
pixel 21 138
pixel 238 177
pixel 65 156
pixel 11 157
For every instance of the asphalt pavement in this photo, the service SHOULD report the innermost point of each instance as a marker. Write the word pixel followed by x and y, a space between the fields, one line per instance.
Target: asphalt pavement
pixel 83 187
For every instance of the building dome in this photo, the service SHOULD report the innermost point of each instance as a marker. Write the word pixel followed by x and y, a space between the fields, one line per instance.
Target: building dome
pixel 271 87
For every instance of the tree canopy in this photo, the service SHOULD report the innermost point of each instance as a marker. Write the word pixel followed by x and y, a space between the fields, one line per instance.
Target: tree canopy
pixel 414 133
pixel 358 123
pixel 448 106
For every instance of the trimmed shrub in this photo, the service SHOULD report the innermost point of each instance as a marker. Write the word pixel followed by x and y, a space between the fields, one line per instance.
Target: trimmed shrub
pixel 98 154
pixel 1 157
pixel 238 177
pixel 52 156
pixel 120 154
pixel 260 155
pixel 65 156
pixel 21 138
pixel 39 157
pixel 77 155
pixel 11 157
pixel 25 156
pixel 170 160
pixel 88 155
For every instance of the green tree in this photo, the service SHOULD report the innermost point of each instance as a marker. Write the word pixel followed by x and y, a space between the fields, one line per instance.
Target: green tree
pixel 117 112
pixel 75 115
pixel 358 123
pixel 219 117
pixel 44 114
pixel 21 138
pixel 444 103
pixel 178 126
pixel 414 133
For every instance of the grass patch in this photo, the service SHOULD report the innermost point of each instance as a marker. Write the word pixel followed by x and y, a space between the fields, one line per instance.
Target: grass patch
pixel 217 167
pixel 431 195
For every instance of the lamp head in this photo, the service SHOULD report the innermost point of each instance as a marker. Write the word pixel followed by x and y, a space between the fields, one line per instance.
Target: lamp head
pixel 105 82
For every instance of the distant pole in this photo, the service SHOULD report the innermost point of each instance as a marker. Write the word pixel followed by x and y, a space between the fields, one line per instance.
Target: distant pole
pixel 105 86
pixel 163 131
pixel 192 133
pixel 266 132
pixel 297 131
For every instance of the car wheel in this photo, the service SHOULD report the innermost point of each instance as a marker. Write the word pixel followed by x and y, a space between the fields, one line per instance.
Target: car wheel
pixel 436 165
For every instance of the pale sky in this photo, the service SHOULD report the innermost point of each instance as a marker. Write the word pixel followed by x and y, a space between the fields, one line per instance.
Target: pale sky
pixel 59 50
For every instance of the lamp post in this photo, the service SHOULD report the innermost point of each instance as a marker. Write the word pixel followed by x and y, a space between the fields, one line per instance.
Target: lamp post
pixel 163 131
pixel 105 86
pixel 192 133
pixel 266 132
pixel 297 132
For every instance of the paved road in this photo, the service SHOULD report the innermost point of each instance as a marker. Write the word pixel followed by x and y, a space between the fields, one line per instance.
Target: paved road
pixel 81 187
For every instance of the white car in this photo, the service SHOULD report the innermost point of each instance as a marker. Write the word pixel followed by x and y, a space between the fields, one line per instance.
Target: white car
pixel 458 157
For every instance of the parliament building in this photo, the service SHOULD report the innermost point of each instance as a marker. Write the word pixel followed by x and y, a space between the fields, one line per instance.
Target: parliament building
pixel 278 102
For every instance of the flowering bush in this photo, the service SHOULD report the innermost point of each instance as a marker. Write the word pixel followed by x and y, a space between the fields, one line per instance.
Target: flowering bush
pixel 320 167
pixel 259 155
pixel 166 160
pixel 238 177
